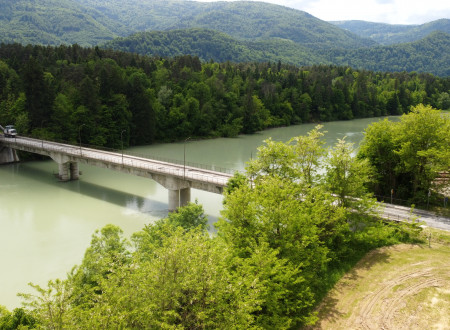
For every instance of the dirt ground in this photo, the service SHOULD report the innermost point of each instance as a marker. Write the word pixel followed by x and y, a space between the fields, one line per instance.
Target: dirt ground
pixel 398 287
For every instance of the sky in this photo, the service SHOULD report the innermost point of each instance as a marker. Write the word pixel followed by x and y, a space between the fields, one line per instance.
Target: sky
pixel 383 11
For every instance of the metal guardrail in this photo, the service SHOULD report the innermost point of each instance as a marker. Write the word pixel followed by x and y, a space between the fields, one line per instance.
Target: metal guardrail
pixel 177 169
pixel 146 156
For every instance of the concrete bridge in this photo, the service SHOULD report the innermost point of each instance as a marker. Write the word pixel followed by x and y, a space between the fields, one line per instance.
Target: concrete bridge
pixel 177 178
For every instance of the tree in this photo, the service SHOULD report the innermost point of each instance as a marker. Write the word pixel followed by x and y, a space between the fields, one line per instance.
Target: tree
pixel 189 217
pixel 38 92
pixel 107 252
pixel 308 152
pixel 284 204
pixel 62 109
pixel 423 147
pixel 348 177
pixel 51 306
pixel 408 155
pixel 140 99
pixel 378 147
pixel 18 319
pixel 297 159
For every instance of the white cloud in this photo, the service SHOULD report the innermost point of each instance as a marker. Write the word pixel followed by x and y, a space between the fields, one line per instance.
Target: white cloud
pixel 387 11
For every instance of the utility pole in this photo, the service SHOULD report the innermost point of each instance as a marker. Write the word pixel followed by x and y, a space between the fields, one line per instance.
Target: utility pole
pixel 79 136
pixel 121 139
pixel 184 158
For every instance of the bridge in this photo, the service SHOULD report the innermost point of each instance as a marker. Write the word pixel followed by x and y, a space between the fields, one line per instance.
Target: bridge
pixel 177 178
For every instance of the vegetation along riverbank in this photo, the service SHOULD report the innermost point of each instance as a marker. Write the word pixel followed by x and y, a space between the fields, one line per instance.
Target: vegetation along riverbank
pixel 289 231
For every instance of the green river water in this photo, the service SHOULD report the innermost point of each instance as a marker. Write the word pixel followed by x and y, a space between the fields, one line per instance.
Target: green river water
pixel 46 225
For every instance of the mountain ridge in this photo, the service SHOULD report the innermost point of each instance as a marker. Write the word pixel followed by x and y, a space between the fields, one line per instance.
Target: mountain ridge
pixel 243 31
pixel 243 20
pixel 426 55
pixel 388 34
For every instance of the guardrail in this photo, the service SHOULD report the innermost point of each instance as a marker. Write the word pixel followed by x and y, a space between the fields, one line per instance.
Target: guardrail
pixel 146 156
pixel 176 169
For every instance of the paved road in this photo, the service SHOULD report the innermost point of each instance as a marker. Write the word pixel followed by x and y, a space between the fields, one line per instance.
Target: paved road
pixel 399 213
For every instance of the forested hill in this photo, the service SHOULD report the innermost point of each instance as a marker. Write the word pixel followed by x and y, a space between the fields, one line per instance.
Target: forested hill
pixel 245 20
pixel 89 22
pixel 431 54
pixel 51 92
pixel 428 55
pixel 55 22
pixel 389 34
pixel 222 31
pixel 216 46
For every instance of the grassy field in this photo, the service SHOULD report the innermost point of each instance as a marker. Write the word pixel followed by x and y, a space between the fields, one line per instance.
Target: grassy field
pixel 398 287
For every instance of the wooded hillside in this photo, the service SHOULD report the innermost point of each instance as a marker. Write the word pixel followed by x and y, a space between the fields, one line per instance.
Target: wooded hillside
pixel 389 34
pixel 52 92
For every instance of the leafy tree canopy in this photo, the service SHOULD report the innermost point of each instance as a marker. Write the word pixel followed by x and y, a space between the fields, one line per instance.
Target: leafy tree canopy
pixel 408 155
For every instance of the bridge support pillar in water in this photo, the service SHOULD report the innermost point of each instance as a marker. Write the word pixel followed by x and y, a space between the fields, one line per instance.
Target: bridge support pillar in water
pixel 179 197
pixel 8 155
pixel 68 171
pixel 74 171
pixel 179 190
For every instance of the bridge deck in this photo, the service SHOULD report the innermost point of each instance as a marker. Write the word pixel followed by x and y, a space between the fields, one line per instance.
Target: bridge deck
pixel 118 161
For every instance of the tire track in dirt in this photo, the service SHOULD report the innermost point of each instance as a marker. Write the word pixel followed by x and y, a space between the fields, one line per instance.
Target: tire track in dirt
pixel 393 305
pixel 364 320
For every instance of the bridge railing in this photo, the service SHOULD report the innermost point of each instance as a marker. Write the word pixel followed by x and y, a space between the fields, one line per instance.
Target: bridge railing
pixel 147 156
pixel 135 161
pixel 181 162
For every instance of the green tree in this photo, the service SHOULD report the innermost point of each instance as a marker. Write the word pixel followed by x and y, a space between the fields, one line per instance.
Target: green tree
pixel 107 252
pixel 62 109
pixel 378 147
pixel 189 217
pixel 408 155
pixel 284 204
pixel 423 147
pixel 18 319
pixel 348 176
pixel 50 305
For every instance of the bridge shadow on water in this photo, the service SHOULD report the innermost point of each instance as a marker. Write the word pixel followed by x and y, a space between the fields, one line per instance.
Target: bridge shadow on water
pixel 120 198
pixel 103 193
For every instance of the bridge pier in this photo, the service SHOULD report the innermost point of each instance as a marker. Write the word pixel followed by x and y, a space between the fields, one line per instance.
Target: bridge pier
pixel 63 171
pixel 173 177
pixel 8 155
pixel 74 171
pixel 67 168
pixel 179 197
pixel 68 171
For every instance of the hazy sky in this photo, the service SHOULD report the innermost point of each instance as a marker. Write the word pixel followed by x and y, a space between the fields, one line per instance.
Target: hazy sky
pixel 386 11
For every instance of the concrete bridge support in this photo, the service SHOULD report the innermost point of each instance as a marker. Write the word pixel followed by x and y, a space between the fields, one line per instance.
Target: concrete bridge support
pixel 171 176
pixel 8 155
pixel 179 190
pixel 68 171
pixel 74 171
pixel 179 197
pixel 63 173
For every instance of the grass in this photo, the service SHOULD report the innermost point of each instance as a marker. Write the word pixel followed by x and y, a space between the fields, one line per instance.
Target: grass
pixel 402 286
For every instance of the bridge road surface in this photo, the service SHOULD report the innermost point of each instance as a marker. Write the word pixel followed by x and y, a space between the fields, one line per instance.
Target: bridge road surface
pixel 187 173
pixel 389 211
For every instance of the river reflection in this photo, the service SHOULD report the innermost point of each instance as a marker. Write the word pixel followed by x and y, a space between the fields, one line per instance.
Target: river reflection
pixel 46 225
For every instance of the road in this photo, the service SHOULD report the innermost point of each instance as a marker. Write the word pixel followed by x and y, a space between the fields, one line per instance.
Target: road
pixel 402 213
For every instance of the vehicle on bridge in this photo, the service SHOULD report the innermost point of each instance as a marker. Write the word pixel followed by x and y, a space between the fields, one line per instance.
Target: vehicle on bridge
pixel 9 131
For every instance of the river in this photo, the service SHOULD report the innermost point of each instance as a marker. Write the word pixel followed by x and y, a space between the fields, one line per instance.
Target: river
pixel 46 225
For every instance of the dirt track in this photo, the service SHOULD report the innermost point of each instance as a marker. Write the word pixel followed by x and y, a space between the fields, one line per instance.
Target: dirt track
pixel 400 287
